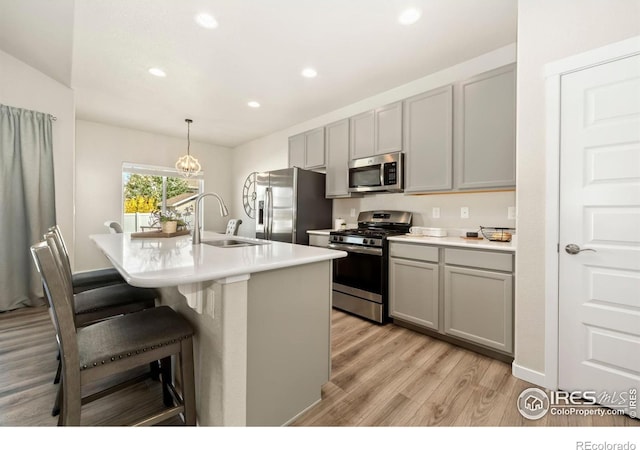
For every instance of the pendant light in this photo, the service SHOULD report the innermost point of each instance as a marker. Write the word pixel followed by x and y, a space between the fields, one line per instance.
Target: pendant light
pixel 187 165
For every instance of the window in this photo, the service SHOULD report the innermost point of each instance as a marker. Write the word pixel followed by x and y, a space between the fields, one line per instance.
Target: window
pixel 147 188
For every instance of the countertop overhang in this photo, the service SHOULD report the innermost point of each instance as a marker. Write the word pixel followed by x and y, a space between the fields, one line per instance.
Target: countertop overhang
pixel 457 241
pixel 160 262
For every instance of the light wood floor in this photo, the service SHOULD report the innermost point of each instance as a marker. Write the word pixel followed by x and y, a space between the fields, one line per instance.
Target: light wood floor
pixel 381 376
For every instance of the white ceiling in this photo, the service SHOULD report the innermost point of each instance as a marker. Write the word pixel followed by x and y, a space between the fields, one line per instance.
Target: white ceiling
pixel 256 53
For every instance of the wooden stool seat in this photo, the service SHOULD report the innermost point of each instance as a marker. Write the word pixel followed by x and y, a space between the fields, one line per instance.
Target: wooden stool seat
pixel 129 336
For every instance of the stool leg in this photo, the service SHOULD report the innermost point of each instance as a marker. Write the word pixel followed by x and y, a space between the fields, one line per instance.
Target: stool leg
pixel 165 370
pixel 56 405
pixel 56 379
pixel 188 381
pixel 154 370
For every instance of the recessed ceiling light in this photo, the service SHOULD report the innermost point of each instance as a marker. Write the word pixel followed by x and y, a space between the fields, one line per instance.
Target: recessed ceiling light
pixel 409 16
pixel 254 104
pixel 309 72
pixel 206 21
pixel 157 72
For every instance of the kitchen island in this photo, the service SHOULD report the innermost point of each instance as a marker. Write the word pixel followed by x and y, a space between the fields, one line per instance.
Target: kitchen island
pixel 261 311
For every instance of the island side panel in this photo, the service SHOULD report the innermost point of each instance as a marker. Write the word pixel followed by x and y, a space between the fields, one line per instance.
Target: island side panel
pixel 288 339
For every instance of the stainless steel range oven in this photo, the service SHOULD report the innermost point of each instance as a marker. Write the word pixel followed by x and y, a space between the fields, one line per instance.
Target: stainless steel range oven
pixel 360 280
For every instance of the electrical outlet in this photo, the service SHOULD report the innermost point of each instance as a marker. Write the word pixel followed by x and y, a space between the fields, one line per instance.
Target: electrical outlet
pixel 353 212
pixel 464 212
pixel 435 212
pixel 511 213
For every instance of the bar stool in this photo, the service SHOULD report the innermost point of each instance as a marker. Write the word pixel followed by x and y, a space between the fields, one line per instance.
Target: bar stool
pixel 232 226
pixel 113 346
pixel 93 304
pixel 113 226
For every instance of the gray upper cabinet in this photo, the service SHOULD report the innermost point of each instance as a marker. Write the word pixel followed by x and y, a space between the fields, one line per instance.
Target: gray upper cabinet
pixel 377 131
pixel 306 150
pixel 314 152
pixel 296 151
pixel 428 141
pixel 388 129
pixel 485 130
pixel 362 135
pixel 337 143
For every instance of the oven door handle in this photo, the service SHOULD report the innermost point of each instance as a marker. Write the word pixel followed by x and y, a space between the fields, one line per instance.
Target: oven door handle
pixel 357 249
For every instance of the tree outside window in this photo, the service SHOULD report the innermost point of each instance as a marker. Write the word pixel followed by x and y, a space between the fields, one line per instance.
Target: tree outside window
pixel 143 194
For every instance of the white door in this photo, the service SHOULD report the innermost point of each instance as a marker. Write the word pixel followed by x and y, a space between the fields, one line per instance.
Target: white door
pixel 599 290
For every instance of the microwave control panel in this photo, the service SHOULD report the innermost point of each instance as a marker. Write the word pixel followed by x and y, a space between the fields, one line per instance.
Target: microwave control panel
pixel 390 173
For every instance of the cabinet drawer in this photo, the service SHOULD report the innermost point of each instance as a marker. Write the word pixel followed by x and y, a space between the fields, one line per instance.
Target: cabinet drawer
pixel 414 251
pixel 477 258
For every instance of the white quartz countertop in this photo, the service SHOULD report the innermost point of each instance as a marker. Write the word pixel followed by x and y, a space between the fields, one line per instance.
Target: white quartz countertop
pixel 158 262
pixel 457 241
pixel 320 232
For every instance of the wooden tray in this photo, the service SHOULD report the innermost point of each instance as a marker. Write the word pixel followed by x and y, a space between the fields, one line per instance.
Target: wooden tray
pixel 471 238
pixel 158 234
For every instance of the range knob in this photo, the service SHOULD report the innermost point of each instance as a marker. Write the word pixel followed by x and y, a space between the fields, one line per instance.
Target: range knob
pixel 341 239
pixel 364 241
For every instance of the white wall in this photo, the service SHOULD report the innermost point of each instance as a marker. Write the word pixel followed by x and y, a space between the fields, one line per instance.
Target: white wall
pixel 100 151
pixel 548 30
pixel 23 86
pixel 271 152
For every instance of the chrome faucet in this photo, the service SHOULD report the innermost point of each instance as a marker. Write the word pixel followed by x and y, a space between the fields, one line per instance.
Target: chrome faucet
pixel 223 212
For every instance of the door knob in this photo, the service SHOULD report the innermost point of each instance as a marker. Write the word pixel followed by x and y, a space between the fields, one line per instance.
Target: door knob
pixel 574 249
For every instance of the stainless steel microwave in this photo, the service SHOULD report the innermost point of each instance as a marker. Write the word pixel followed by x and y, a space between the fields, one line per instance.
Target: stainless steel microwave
pixel 377 173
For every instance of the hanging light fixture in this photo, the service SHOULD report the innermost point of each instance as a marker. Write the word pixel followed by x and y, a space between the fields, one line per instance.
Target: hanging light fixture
pixel 187 165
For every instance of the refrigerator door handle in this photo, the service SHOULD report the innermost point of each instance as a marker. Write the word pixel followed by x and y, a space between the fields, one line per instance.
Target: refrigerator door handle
pixel 267 213
pixel 270 213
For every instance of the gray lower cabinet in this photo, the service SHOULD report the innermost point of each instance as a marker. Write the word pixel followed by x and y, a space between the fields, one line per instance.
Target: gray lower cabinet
pixel 465 294
pixel 428 141
pixel 337 150
pixel 319 240
pixel 485 125
pixel 478 301
pixel 413 292
pixel 414 280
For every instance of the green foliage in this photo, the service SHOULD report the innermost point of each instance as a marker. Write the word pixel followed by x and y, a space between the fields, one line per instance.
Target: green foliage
pixel 143 193
pixel 158 217
pixel 149 186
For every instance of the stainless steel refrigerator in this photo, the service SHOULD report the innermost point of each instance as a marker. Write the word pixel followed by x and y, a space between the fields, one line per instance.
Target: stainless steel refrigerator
pixel 290 202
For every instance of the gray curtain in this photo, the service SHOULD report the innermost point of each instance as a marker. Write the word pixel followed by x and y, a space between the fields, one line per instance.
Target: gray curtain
pixel 27 202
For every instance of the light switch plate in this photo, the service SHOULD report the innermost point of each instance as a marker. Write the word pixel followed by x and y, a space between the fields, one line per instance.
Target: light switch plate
pixel 435 212
pixel 353 212
pixel 464 212
pixel 511 213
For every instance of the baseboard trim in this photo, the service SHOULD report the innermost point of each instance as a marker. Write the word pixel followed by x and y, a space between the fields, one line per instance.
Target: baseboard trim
pixel 530 375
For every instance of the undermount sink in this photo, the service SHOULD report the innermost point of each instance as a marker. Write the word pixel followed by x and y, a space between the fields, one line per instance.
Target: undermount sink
pixel 225 243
